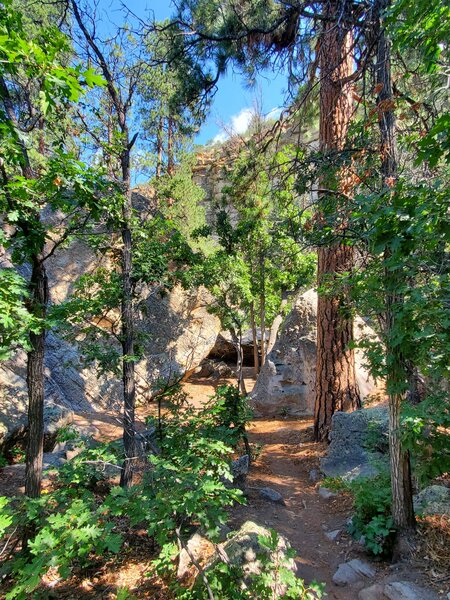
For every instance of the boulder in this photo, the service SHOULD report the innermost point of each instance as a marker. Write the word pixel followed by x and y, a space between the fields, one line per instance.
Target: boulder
pixel 239 470
pixel 286 383
pixel 179 334
pixel 433 500
pixel 14 403
pixel 244 550
pixel 358 440
pixel 353 571
pixel 271 495
pixel 197 547
pixel 405 590
pixel 212 369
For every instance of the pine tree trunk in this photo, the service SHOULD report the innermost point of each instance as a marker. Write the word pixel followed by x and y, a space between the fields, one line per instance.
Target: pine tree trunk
pixel 127 330
pixel 336 386
pixel 170 156
pixel 397 376
pixel 262 304
pixel 255 340
pixel 237 340
pixel 159 148
pixel 35 382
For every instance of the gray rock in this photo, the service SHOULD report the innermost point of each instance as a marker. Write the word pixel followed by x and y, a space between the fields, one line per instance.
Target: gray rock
pixel 348 455
pixel 314 475
pixel 56 417
pixel 434 499
pixel 179 334
pixel 212 369
pixel 198 547
pixel 326 494
pixel 272 495
pixel 72 453
pixel 333 536
pixel 239 470
pixel 374 592
pixel 286 382
pixel 353 571
pixel 405 590
pixel 244 550
pixel 53 460
pixel 147 442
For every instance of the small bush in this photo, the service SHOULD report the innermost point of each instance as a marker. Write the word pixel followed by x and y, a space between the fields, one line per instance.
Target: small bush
pixel 372 519
pixel 426 434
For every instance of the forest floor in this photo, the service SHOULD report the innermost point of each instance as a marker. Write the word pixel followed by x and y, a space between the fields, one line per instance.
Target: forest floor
pixel 286 455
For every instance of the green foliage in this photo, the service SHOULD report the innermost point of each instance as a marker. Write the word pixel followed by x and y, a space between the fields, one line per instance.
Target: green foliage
pixel 188 480
pixel 256 223
pixel 423 26
pixel 231 411
pixel 71 529
pixel 274 578
pixel 277 574
pixel 372 518
pixel 425 430
pixel 91 465
pixel 15 320
pixel 186 484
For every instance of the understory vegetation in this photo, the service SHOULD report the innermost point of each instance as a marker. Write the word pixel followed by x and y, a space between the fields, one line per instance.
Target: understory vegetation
pixel 186 485
pixel 115 222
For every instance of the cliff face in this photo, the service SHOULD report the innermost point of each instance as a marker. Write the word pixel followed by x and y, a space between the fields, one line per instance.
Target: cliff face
pixel 177 330
pixel 286 382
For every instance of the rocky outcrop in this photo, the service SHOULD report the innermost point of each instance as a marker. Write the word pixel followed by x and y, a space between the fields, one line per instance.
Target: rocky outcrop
pixel 359 442
pixel 285 385
pixel 397 590
pixel 179 333
pixel 242 550
pixel 175 328
pixel 433 500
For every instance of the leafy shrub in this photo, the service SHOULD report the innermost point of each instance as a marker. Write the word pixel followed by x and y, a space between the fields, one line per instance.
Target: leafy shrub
pixel 275 578
pixel 372 519
pixel 426 429
pixel 185 486
pixel 71 528
pixel 91 465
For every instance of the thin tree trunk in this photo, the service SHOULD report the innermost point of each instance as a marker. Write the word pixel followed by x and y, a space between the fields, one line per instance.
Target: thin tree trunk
pixel 262 301
pixel 107 151
pixel 37 305
pixel 255 340
pixel 336 386
pixel 128 377
pixel 35 382
pixel 170 156
pixel 159 147
pixel 237 340
pixel 397 376
pixel 262 304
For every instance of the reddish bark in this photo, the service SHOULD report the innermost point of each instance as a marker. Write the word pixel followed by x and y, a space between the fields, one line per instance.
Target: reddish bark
pixel 336 386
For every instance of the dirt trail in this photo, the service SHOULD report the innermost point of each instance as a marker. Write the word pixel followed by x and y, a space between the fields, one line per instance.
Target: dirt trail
pixel 287 457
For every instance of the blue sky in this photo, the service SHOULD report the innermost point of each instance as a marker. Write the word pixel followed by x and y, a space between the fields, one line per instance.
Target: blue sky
pixel 233 103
